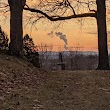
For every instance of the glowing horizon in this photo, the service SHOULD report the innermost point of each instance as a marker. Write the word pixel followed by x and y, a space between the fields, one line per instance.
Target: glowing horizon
pixel 85 36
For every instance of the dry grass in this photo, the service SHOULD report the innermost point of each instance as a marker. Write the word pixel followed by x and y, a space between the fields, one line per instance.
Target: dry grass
pixel 23 87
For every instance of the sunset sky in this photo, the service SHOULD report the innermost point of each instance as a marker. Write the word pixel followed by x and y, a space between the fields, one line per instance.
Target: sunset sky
pixel 84 36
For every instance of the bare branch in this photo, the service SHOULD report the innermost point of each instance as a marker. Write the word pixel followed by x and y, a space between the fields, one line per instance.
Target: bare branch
pixel 56 18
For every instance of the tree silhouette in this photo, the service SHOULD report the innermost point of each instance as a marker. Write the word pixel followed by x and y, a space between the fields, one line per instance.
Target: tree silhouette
pixel 29 50
pixel 16 29
pixel 28 44
pixel 3 40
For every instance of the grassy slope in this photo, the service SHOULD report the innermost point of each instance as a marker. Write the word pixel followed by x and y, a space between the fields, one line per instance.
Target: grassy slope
pixel 23 87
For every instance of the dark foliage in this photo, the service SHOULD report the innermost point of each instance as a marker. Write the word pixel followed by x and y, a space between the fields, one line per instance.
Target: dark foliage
pixel 3 40
pixel 30 52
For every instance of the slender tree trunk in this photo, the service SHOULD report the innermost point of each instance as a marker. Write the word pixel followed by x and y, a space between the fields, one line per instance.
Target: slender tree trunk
pixel 102 35
pixel 16 30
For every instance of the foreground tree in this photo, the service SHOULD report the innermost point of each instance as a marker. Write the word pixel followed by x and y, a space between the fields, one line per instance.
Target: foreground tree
pixel 16 29
pixel 102 35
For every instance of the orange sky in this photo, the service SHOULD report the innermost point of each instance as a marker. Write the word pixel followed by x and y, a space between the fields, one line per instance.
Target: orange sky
pixel 85 36
pixel 75 33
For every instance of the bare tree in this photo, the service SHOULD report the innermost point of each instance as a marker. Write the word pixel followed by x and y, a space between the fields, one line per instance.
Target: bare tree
pixel 91 61
pixel 75 57
pixel 45 52
pixel 99 14
pixel 16 29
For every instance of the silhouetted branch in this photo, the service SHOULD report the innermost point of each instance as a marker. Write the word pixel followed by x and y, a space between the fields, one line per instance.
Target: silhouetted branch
pixel 56 18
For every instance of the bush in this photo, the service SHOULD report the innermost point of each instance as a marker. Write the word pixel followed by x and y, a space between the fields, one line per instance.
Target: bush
pixel 29 50
pixel 3 40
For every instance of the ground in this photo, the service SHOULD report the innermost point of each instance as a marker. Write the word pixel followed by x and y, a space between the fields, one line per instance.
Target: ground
pixel 24 87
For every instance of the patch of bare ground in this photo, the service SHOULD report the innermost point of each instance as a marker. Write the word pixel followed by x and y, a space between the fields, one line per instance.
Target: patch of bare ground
pixel 24 87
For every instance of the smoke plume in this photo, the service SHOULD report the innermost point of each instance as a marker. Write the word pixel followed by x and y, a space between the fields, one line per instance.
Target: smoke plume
pixel 61 36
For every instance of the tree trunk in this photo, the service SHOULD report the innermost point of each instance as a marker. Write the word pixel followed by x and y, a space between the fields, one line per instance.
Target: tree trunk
pixel 102 35
pixel 16 30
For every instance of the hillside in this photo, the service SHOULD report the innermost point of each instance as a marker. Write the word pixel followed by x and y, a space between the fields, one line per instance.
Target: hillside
pixel 24 87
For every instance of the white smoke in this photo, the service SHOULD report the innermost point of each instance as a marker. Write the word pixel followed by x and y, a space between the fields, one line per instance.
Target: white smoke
pixel 61 36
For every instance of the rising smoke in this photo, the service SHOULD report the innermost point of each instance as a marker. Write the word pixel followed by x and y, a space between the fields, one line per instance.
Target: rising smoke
pixel 61 36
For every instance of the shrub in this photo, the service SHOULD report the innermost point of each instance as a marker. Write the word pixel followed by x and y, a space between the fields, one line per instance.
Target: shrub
pixel 3 40
pixel 29 50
